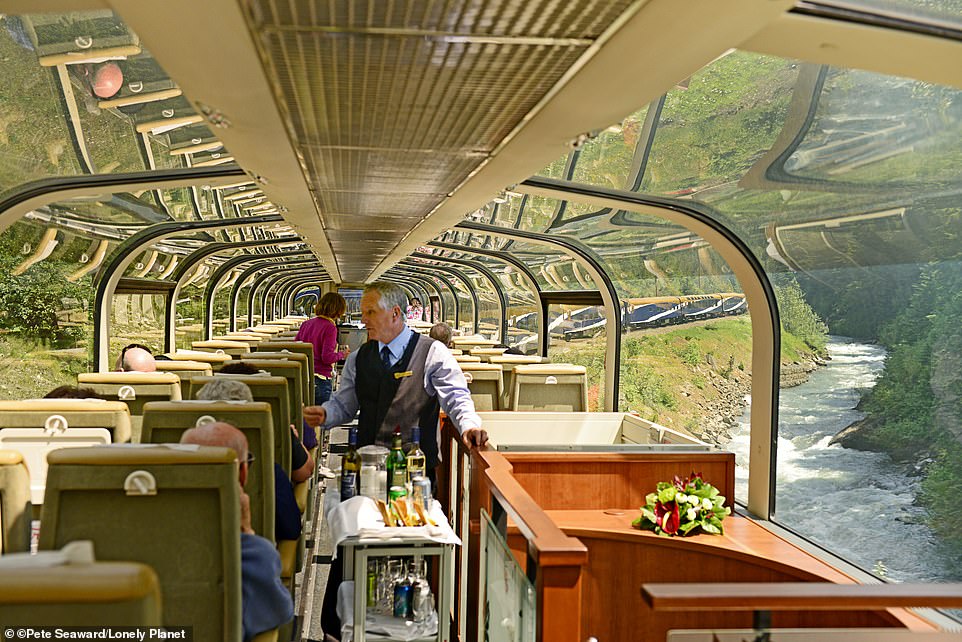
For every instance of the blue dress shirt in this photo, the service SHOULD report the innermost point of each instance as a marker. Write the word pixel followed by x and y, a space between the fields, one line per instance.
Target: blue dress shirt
pixel 442 378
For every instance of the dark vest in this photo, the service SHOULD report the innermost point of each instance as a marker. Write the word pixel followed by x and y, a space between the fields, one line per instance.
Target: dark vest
pixel 386 400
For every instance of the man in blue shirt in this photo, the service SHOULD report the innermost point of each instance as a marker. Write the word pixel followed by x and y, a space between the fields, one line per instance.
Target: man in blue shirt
pixel 398 378
pixel 265 602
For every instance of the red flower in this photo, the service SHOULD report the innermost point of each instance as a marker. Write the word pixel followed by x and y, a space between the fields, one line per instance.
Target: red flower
pixel 668 516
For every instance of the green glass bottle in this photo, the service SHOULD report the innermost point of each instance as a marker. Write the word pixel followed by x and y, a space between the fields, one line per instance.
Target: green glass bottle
pixel 351 468
pixel 397 470
pixel 416 459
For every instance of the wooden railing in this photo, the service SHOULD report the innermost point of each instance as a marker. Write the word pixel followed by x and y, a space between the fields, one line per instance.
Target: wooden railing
pixel 764 597
pixel 481 478
pixel 798 596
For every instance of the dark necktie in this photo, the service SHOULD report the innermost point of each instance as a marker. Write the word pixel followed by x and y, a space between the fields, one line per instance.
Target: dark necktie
pixel 386 357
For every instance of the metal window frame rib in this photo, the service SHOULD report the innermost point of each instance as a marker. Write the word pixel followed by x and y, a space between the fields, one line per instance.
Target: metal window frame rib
pixel 270 282
pixel 458 274
pixel 241 283
pixel 278 284
pixel 766 336
pixel 36 194
pixel 224 269
pixel 521 267
pixel 582 255
pixel 278 298
pixel 294 291
pixel 124 254
pixel 180 273
pixel 259 286
pixel 287 296
pixel 489 275
pixel 454 293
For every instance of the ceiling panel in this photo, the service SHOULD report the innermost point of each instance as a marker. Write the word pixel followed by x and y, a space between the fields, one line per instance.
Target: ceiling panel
pixel 392 105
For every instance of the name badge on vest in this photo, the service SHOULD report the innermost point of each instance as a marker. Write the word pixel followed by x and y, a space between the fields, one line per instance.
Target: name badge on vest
pixel 401 375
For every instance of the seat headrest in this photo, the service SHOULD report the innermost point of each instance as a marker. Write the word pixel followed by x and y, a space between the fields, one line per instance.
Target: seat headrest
pixel 142 454
pixel 128 377
pixel 549 369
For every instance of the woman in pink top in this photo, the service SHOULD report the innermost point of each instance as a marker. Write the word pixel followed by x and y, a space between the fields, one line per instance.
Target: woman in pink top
pixel 321 332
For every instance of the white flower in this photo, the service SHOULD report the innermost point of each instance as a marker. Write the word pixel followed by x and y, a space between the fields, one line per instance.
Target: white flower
pixel 706 503
pixel 691 514
pixel 681 498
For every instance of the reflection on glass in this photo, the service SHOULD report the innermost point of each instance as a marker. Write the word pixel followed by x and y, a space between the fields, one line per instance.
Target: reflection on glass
pixel 81 96
pixel 608 160
pixel 508 598
pixel 844 184
pixel 947 13
pixel 45 316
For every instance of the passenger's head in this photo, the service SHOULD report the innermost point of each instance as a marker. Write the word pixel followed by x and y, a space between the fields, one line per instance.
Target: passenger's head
pixel 332 305
pixel 73 392
pixel 238 368
pixel 219 433
pixel 441 332
pixel 136 358
pixel 382 310
pixel 416 302
pixel 225 389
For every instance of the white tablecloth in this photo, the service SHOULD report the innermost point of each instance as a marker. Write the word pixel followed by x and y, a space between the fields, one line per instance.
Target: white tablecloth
pixel 359 520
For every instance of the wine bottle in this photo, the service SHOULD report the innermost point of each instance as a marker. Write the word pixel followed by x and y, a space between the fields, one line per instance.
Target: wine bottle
pixel 396 464
pixel 350 468
pixel 415 457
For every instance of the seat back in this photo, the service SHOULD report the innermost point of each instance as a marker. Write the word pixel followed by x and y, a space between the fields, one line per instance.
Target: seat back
pixel 166 421
pixel 15 511
pixel 550 386
pixel 486 353
pixel 293 372
pixel 467 358
pixel 174 508
pixel 185 369
pixel 215 359
pixel 135 389
pixel 507 363
pixel 300 347
pixel 221 346
pixel 306 374
pixel 485 383
pixel 108 593
pixel 37 426
pixel 271 390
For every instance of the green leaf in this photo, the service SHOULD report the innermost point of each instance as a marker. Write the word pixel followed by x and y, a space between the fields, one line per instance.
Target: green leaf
pixel 666 495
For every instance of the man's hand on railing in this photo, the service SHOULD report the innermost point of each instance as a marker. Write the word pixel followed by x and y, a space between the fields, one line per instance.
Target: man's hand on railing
pixel 474 437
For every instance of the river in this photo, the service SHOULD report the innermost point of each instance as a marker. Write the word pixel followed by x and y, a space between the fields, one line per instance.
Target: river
pixel 854 503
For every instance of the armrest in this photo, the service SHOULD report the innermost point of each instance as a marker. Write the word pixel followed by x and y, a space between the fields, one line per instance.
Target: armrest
pixel 287 549
pixel 300 495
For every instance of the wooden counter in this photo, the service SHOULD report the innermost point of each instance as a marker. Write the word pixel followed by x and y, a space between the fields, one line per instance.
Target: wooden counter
pixel 621 558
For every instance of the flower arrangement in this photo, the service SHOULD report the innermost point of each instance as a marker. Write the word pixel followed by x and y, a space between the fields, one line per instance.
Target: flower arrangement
pixel 680 507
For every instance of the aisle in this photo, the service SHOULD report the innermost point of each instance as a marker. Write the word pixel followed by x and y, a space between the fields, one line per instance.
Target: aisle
pixel 312 581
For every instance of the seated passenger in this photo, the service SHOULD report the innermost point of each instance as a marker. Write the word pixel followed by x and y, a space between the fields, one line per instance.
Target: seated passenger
pixel 287 516
pixel 302 464
pixel 73 392
pixel 265 602
pixel 441 332
pixel 136 358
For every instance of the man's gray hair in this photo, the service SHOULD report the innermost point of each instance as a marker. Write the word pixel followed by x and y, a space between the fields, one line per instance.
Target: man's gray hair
pixel 225 390
pixel 390 295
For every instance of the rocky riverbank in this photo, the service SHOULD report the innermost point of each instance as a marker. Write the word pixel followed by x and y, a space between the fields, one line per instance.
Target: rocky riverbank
pixel 721 412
